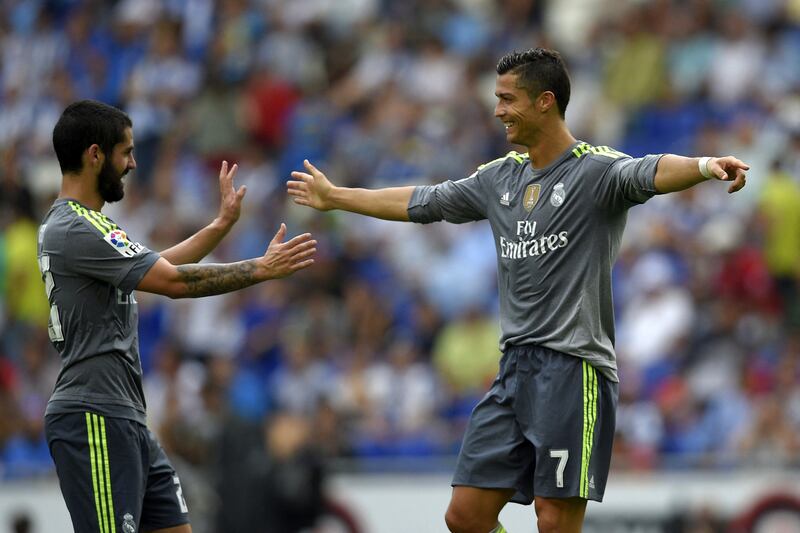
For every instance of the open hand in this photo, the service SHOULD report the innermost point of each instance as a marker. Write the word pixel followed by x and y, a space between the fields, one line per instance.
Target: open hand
pixel 310 188
pixel 729 168
pixel 284 258
pixel 230 205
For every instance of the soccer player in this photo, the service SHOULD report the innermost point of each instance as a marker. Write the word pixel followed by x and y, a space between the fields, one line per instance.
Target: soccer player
pixel 544 430
pixel 113 473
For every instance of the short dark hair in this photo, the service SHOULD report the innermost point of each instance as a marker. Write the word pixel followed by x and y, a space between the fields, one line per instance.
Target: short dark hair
pixel 83 124
pixel 539 70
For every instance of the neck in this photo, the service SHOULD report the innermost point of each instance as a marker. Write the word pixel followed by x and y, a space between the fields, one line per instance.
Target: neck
pixel 83 188
pixel 551 143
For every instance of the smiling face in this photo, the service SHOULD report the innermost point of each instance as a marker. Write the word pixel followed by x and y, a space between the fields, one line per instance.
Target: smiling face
pixel 115 167
pixel 516 110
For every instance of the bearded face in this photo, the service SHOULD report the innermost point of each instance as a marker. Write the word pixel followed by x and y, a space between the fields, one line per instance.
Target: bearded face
pixel 118 162
pixel 109 182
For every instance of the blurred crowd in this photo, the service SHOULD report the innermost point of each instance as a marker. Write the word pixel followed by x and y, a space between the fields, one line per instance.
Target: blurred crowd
pixel 377 353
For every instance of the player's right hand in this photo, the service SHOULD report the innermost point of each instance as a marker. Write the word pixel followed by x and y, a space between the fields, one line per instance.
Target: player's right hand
pixel 310 188
pixel 284 258
pixel 230 205
pixel 729 168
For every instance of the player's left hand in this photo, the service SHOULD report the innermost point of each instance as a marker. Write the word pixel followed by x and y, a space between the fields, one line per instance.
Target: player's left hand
pixel 729 168
pixel 230 205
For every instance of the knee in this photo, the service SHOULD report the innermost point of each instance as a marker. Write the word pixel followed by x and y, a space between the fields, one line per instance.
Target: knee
pixel 453 521
pixel 548 517
pixel 558 517
pixel 548 522
pixel 460 520
pixel 457 521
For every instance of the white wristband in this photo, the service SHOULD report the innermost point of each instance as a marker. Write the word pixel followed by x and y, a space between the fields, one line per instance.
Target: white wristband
pixel 702 164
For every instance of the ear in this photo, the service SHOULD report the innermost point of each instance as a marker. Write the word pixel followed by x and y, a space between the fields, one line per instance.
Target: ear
pixel 94 156
pixel 545 101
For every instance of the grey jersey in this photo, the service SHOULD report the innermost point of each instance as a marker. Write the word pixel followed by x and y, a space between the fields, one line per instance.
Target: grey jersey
pixel 90 269
pixel 557 232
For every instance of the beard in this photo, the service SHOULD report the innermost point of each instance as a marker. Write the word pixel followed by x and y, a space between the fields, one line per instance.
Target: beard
pixel 109 183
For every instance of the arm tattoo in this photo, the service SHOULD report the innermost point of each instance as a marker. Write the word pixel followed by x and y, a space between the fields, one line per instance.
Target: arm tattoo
pixel 211 279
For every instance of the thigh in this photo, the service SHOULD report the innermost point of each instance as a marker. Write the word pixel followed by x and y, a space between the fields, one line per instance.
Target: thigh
pixel 164 504
pixel 100 467
pixel 568 411
pixel 494 453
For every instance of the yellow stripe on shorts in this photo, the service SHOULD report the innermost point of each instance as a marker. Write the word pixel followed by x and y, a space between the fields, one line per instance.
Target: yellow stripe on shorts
pixel 101 472
pixel 589 419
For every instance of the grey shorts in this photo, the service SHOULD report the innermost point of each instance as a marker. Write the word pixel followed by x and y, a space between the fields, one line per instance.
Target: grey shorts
pixel 113 474
pixel 545 428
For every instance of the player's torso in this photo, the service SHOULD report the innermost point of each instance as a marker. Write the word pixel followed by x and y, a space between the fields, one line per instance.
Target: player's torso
pixel 540 217
pixel 87 316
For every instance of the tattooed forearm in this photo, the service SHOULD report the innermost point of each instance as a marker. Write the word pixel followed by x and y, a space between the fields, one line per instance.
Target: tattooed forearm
pixel 211 279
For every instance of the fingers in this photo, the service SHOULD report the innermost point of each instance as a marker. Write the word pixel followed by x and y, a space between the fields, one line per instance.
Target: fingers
pixel 224 174
pixel 739 182
pixel 226 181
pixel 290 256
pixel 301 200
pixel 296 174
pixel 737 163
pixel 302 241
pixel 729 164
pixel 729 168
pixel 278 238
pixel 305 238
pixel 303 264
pixel 298 190
pixel 305 253
pixel 296 186
pixel 311 188
pixel 298 194
pixel 311 168
pixel 301 245
pixel 302 255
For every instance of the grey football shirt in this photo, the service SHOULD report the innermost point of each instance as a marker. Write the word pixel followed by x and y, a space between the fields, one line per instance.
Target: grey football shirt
pixel 90 269
pixel 557 232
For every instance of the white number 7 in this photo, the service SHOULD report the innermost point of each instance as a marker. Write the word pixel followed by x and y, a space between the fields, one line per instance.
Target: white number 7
pixel 54 326
pixel 563 456
pixel 179 494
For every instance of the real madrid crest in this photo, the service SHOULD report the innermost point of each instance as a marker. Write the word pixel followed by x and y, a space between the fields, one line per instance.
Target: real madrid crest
pixel 128 525
pixel 531 196
pixel 558 196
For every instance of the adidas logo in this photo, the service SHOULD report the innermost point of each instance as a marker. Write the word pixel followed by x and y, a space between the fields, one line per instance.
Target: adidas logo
pixel 505 199
pixel 591 482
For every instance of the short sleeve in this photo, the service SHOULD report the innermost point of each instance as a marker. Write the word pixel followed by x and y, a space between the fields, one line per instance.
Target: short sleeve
pixel 454 201
pixel 107 254
pixel 627 182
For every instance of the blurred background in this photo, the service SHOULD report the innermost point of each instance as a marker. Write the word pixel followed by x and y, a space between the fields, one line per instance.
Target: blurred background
pixel 335 400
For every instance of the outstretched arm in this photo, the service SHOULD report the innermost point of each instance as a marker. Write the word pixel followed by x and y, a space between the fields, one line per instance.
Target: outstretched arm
pixel 312 188
pixel 204 241
pixel 676 173
pixel 192 281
